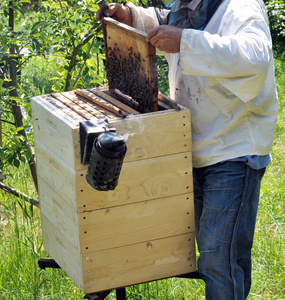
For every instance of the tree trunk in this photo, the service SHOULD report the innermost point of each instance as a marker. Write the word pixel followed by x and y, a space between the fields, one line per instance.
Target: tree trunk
pixel 17 113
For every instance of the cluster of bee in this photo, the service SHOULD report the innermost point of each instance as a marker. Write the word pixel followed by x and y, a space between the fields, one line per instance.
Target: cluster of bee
pixel 127 75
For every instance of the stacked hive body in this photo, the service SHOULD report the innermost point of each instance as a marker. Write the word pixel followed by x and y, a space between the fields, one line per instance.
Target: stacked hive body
pixel 141 231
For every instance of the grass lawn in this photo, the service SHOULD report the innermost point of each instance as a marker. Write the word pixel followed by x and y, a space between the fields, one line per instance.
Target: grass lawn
pixel 21 243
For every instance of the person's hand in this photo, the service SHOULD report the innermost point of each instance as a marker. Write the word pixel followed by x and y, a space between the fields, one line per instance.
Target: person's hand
pixel 166 38
pixel 116 11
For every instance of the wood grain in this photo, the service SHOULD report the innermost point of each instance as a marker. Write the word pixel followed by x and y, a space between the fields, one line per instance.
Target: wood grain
pixel 101 102
pixel 143 262
pixel 136 222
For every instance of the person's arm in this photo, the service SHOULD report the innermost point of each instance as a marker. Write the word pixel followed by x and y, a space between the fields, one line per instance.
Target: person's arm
pixel 238 58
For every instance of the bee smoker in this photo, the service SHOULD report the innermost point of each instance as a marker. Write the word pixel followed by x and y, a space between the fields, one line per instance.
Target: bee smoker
pixel 106 161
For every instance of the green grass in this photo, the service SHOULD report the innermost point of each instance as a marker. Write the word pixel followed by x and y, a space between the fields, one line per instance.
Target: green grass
pixel 21 241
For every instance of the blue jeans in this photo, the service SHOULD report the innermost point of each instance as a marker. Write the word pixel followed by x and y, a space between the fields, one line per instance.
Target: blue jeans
pixel 226 202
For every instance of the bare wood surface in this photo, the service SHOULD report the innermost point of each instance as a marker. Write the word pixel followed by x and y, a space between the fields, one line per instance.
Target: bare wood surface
pixel 128 29
pixel 157 134
pixel 147 135
pixel 139 181
pixel 166 100
pixel 55 172
pixel 95 110
pixel 113 101
pixel 119 226
pixel 57 131
pixel 74 106
pixel 62 250
pixel 143 262
pixel 101 102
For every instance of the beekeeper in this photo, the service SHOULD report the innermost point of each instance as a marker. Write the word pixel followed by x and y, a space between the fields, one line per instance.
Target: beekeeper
pixel 221 68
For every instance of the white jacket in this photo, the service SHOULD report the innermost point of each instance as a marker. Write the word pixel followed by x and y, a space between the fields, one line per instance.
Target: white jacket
pixel 225 76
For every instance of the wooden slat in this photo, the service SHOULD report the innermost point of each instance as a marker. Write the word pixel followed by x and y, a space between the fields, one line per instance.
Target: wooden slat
pixel 57 131
pixel 100 102
pixel 62 251
pixel 113 101
pixel 158 134
pixel 137 222
pixel 139 181
pixel 148 261
pixel 79 110
pixel 128 29
pixel 63 109
pixel 96 111
pixel 61 212
pixel 55 172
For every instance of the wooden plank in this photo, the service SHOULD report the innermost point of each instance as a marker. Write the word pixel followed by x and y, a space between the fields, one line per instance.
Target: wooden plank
pixel 148 261
pixel 157 177
pixel 62 251
pixel 113 101
pixel 72 105
pixel 167 101
pixel 63 108
pixel 56 131
pixel 55 172
pixel 101 102
pixel 157 134
pixel 137 222
pixel 139 181
pixel 128 29
pixel 96 111
pixel 62 213
pixel 48 103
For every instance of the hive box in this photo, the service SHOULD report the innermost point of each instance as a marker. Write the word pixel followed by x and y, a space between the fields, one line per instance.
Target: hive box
pixel 139 232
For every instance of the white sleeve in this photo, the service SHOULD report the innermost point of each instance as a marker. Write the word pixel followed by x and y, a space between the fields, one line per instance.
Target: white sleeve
pixel 238 57
pixel 146 19
pixel 143 19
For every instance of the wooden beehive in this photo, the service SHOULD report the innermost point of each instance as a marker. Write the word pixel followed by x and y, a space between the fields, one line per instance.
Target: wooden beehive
pixel 141 231
pixel 144 229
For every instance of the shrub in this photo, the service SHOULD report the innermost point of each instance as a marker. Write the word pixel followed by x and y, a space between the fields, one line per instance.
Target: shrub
pixel 276 17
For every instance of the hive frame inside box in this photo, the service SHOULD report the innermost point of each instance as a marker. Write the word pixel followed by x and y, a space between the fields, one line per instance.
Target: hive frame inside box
pixel 139 232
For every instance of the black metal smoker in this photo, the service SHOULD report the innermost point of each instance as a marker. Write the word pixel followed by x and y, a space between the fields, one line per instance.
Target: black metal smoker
pixel 104 150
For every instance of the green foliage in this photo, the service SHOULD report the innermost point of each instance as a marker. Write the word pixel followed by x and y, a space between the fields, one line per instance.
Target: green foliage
pixel 68 36
pixel 22 34
pixel 14 152
pixel 162 69
pixel 276 15
pixel 76 42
